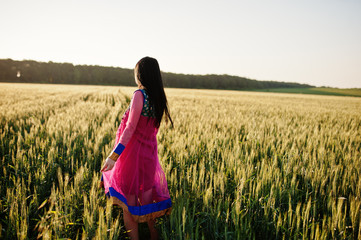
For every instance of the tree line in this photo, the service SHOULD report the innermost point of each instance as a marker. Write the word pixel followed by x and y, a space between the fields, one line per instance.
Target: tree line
pixel 29 71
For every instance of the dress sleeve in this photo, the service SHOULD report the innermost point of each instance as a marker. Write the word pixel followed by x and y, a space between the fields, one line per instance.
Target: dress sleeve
pixel 136 106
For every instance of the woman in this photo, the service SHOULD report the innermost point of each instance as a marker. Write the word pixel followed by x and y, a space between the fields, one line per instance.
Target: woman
pixel 132 176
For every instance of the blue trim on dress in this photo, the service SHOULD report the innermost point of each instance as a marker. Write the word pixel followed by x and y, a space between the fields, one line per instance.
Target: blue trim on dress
pixel 119 148
pixel 141 210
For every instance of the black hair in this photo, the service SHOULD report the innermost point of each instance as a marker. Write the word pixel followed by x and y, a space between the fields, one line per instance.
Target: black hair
pixel 147 72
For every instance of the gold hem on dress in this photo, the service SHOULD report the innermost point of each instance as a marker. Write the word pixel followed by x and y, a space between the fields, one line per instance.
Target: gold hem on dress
pixel 139 219
pixel 143 218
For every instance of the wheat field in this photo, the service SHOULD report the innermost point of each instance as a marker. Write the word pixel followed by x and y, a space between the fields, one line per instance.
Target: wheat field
pixel 239 165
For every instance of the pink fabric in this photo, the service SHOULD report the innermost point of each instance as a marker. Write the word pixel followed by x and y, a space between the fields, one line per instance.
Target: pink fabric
pixel 137 174
pixel 136 106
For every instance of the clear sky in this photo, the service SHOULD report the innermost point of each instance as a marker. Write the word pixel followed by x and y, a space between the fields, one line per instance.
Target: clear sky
pixel 307 41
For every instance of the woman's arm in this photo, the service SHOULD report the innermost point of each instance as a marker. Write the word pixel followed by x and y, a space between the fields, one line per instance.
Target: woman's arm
pixel 136 106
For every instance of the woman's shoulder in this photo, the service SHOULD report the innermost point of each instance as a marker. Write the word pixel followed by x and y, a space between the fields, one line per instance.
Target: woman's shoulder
pixel 139 97
pixel 140 92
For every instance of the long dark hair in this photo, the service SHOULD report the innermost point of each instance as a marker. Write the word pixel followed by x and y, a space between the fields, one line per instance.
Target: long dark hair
pixel 147 72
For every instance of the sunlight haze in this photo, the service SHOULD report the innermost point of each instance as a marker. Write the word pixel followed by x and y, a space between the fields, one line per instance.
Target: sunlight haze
pixel 312 42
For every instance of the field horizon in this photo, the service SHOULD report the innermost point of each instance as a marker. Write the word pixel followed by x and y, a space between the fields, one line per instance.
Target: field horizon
pixel 324 91
pixel 351 92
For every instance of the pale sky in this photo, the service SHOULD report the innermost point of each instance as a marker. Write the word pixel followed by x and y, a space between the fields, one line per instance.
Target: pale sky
pixel 307 41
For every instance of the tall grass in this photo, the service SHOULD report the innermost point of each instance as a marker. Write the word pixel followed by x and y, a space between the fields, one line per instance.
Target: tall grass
pixel 239 165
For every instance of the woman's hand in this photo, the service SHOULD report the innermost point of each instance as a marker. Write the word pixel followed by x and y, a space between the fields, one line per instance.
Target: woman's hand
pixel 108 165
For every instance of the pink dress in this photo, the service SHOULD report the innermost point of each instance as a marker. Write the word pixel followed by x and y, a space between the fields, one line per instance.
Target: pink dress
pixel 137 182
